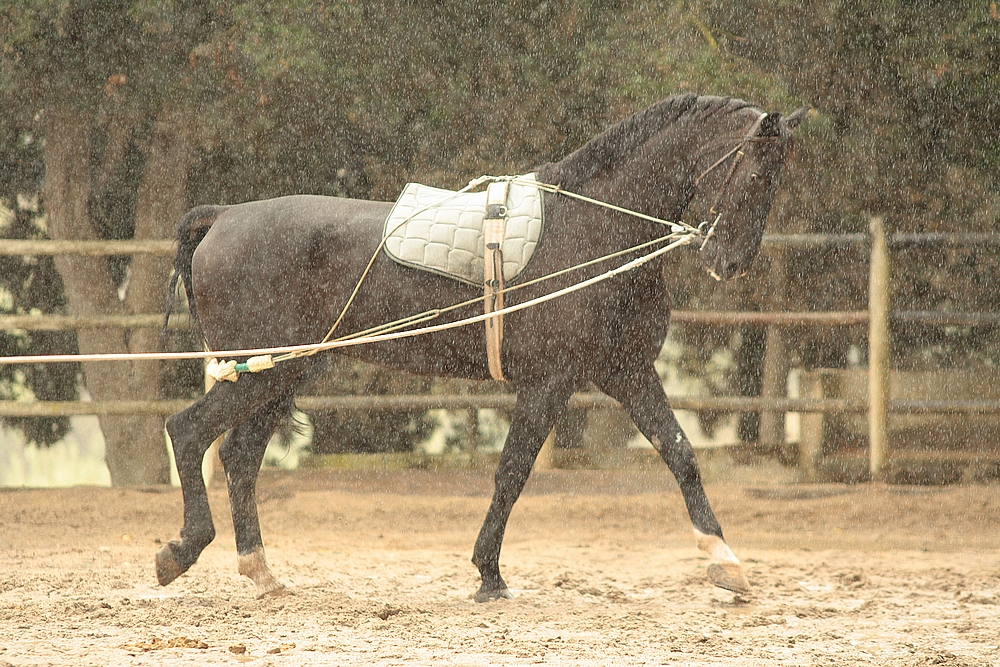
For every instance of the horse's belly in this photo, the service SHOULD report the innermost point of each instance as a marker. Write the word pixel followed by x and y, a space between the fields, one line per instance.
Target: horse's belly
pixel 430 355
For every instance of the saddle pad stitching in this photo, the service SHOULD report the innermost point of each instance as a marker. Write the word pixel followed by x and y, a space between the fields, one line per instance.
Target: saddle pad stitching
pixel 418 227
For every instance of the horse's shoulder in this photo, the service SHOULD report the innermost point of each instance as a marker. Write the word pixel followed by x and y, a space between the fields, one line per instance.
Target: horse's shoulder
pixel 646 296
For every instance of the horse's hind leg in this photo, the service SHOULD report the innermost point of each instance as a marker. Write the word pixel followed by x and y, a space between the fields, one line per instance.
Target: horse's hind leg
pixel 241 454
pixel 192 431
pixel 538 406
pixel 641 394
pixel 190 437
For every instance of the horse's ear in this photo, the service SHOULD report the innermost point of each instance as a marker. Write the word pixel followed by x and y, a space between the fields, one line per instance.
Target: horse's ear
pixel 769 125
pixel 793 119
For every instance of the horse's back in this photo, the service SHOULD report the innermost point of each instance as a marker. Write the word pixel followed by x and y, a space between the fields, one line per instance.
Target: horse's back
pixel 266 270
pixel 294 220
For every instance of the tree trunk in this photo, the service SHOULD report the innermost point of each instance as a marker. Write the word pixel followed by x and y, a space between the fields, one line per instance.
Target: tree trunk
pixel 160 204
pixel 135 447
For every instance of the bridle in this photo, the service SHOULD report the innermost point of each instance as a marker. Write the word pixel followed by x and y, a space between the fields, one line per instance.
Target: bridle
pixel 740 154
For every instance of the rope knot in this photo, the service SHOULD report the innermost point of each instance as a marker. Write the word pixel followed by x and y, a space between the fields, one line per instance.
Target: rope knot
pixel 224 371
pixel 229 371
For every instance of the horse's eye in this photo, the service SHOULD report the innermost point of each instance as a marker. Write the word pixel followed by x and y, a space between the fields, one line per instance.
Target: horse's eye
pixel 753 176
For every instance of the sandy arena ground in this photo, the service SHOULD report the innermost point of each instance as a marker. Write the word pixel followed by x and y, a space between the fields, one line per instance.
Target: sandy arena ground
pixel 602 563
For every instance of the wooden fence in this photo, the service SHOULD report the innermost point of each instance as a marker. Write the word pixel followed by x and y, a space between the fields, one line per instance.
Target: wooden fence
pixel 877 318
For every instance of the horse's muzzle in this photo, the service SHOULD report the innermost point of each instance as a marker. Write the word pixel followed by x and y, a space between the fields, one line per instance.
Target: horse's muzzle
pixel 721 265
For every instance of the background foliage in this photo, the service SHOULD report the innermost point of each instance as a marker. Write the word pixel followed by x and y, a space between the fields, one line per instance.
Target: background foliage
pixel 355 98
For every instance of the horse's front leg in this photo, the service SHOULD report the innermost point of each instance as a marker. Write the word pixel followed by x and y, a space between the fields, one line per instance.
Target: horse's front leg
pixel 641 394
pixel 538 406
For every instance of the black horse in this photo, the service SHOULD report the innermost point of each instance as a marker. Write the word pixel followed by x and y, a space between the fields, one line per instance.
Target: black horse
pixel 277 272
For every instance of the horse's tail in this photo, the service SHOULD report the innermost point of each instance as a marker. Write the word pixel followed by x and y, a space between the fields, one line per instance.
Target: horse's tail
pixel 192 229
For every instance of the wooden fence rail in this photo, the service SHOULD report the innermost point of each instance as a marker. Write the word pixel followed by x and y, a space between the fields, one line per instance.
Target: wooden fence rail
pixel 169 247
pixel 69 247
pixel 843 318
pixel 409 402
pixel 877 318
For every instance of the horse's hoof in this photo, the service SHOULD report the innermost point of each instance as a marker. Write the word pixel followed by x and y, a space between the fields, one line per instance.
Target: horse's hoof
pixel 483 595
pixel 273 590
pixel 254 566
pixel 730 577
pixel 167 567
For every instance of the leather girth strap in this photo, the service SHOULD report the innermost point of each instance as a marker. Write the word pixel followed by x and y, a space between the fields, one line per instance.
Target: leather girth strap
pixel 493 233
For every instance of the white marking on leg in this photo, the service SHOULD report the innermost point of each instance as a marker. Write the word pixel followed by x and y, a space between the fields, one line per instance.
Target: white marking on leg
pixel 254 565
pixel 715 547
pixel 725 571
pixel 680 437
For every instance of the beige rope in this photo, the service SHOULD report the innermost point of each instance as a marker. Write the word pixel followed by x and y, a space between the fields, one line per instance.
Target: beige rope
pixel 428 315
pixel 555 189
pixel 678 227
pixel 349 341
pixel 262 357
pixel 385 237
pixel 611 273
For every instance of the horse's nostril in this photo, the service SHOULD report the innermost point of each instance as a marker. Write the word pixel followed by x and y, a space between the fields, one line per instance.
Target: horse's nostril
pixel 728 269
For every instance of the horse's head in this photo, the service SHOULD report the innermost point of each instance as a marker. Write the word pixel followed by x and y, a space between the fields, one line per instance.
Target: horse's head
pixel 737 183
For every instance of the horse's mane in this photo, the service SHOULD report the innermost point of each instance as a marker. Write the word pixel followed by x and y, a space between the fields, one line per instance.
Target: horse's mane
pixel 625 137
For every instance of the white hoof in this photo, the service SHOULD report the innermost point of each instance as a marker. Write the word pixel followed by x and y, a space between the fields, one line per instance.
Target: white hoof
pixel 254 565
pixel 730 577
pixel 726 571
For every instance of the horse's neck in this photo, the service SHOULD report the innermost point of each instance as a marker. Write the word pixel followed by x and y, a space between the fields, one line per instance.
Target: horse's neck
pixel 656 180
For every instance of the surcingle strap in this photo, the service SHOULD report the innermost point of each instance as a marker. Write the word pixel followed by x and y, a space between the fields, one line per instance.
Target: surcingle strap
pixel 493 233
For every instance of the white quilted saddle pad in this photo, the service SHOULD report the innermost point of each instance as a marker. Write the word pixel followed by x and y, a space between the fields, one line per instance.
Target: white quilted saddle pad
pixel 442 231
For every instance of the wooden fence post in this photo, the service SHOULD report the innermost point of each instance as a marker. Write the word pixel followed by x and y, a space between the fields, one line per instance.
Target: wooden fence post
pixel 878 352
pixel 546 457
pixel 774 376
